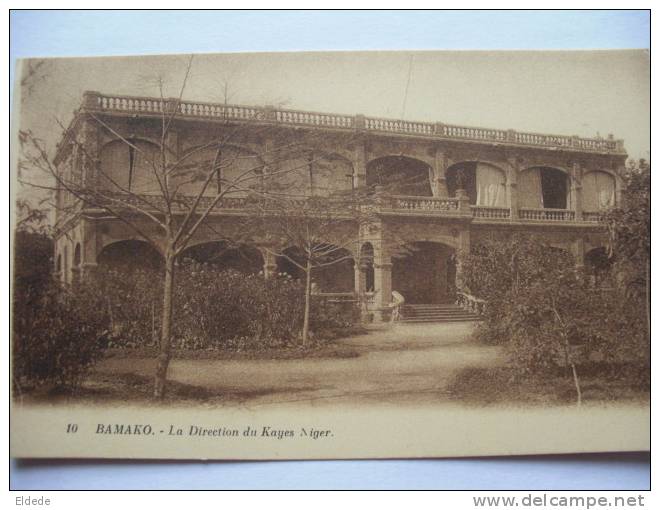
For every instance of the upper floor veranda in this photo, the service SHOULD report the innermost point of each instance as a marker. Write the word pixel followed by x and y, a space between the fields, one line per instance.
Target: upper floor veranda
pixel 119 144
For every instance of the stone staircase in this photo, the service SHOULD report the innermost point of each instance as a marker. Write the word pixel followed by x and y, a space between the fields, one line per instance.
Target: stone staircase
pixel 446 312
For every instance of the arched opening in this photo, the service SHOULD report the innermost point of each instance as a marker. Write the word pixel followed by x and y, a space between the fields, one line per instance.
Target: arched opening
pixel 58 266
pixel 598 191
pixel 544 188
pixel 130 255
pixel 332 269
pixel 235 170
pixel 400 175
pixel 367 266
pixel 598 267
pixel 130 166
pixel 226 255
pixel 313 173
pixel 426 273
pixel 484 184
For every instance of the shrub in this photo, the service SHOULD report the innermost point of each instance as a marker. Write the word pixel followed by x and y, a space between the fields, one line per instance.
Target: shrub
pixel 132 300
pixel 500 270
pixel 228 309
pixel 58 335
pixel 542 309
pixel 216 309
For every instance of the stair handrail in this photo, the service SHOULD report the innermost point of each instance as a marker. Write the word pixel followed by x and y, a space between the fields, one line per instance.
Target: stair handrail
pixel 471 303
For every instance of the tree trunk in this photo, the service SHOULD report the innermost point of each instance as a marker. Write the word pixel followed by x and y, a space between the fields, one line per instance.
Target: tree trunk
pixel 166 328
pixel 308 298
pixel 576 381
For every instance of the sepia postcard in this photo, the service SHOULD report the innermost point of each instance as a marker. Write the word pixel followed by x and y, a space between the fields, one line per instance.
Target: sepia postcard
pixel 331 255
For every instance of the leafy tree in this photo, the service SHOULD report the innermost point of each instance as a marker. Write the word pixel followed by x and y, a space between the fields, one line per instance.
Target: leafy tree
pixel 629 226
pixel 545 313
pixel 497 269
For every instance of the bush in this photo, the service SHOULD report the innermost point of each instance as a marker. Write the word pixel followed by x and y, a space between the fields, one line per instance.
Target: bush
pixel 498 271
pixel 216 309
pixel 58 335
pixel 546 315
pixel 228 309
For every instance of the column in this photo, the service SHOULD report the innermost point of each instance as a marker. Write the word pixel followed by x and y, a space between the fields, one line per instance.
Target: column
pixel 512 188
pixel 270 163
pixel 270 263
pixel 89 248
pixel 359 165
pixel 360 277
pixel 619 185
pixel 578 252
pixel 576 190
pixel 439 183
pixel 90 160
pixel 462 250
pixel 383 285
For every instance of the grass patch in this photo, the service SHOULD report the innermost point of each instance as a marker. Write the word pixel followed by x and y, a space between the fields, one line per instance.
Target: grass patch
pixel 497 386
pixel 328 350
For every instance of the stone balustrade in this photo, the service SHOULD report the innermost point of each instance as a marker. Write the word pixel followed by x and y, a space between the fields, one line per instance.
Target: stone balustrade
pixel 390 204
pixel 420 204
pixel 594 216
pixel 492 213
pixel 149 105
pixel 399 126
pixel 540 214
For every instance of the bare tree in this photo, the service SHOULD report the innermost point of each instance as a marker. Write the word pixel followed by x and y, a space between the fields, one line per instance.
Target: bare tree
pixel 323 231
pixel 169 208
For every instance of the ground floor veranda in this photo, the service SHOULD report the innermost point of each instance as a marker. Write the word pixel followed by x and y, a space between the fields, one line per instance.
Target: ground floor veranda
pixel 417 258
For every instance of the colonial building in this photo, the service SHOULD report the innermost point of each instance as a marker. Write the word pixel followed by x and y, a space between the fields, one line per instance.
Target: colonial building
pixel 440 187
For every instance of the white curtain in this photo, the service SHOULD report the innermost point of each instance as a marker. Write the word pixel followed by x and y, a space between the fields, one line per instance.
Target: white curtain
pixel 530 192
pixel 598 191
pixel 491 186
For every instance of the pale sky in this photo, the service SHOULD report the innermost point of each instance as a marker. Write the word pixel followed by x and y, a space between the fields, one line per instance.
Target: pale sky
pixel 581 93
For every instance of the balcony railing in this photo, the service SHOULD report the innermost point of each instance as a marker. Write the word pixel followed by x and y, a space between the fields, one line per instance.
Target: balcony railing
pixel 595 216
pixel 420 204
pixel 493 213
pixel 388 204
pixel 546 214
pixel 197 109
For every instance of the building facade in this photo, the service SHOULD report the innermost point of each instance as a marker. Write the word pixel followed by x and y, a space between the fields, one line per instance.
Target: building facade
pixel 439 188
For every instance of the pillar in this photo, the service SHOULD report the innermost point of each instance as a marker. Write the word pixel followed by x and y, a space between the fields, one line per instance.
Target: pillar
pixel 619 185
pixel 576 190
pixel 360 165
pixel 360 277
pixel 382 265
pixel 462 250
pixel 578 252
pixel 383 286
pixel 88 248
pixel 439 182
pixel 512 188
pixel 90 159
pixel 270 263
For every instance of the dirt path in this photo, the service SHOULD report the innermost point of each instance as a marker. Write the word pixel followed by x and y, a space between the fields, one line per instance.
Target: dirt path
pixel 405 364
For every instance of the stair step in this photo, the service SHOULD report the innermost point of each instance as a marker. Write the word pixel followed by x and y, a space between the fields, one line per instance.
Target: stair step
pixel 435 313
pixel 426 312
pixel 418 307
pixel 437 321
